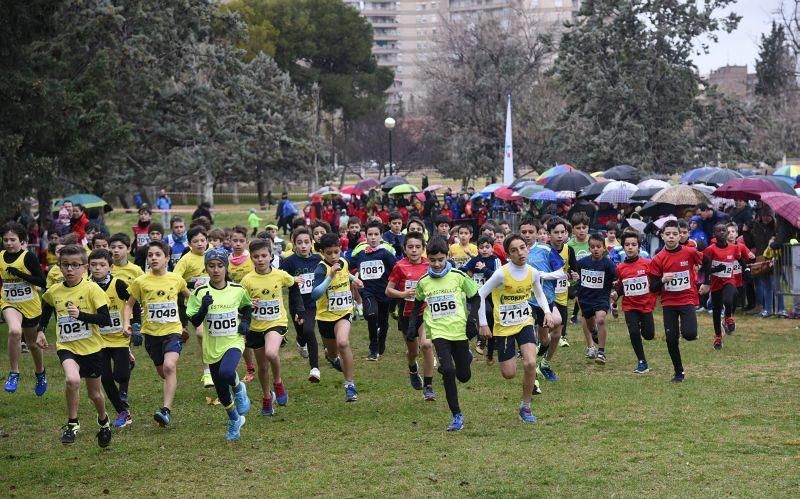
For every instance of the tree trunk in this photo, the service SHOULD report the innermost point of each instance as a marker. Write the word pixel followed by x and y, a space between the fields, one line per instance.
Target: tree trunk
pixel 207 187
pixel 260 186
pixel 45 198
pixel 235 192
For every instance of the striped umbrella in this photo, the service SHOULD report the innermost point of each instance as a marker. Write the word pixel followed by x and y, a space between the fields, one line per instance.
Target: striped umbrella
pixel 788 170
pixel 615 196
pixel 552 172
pixel 785 205
pixel 617 184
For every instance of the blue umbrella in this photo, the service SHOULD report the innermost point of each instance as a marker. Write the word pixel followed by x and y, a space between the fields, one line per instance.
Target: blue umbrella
pixel 545 195
pixel 479 195
pixel 789 180
pixel 491 188
pixel 694 174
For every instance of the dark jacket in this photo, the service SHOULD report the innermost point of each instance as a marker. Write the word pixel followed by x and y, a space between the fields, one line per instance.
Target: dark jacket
pixel 761 234
pixel 743 216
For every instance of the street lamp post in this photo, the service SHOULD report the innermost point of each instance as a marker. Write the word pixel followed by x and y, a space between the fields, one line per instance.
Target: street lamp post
pixel 389 123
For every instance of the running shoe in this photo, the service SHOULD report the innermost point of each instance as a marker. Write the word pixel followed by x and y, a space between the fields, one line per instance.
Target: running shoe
pixel 428 394
pixel 250 376
pixel 416 380
pixel 23 348
pixel 717 342
pixel 69 433
pixel 764 314
pixel 41 384
pixel 591 352
pixel 234 428
pixel 730 325
pixel 678 378
pixel 614 311
pixel 563 342
pixel 241 399
pixel 104 435
pixel 360 310
pixel 373 357
pixel 206 380
pixel 162 417
pixel 350 392
pixel 283 342
pixel 479 347
pixel 457 424
pixel 313 375
pixel 302 350
pixel 525 415
pixel 281 397
pixel 641 367
pixel 335 363
pixel 12 382
pixel 573 319
pixel 266 405
pixel 548 373
pixel 537 388
pixel 601 358
pixel 123 420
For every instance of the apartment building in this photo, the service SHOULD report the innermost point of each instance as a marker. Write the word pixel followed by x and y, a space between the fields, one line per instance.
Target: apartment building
pixel 405 32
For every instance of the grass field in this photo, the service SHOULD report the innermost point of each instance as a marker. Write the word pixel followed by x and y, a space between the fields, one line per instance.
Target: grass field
pixel 732 429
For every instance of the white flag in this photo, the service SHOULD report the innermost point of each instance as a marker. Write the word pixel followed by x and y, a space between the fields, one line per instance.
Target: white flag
pixel 508 151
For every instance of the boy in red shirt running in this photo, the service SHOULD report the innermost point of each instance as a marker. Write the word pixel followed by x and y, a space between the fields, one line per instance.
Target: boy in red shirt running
pixel 672 272
pixel 637 300
pixel 738 269
pixel 403 285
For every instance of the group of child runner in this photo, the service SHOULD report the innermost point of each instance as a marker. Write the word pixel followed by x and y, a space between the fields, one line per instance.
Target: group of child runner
pixel 509 291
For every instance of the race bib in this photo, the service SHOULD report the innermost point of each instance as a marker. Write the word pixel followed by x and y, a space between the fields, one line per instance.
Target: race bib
pixel 71 329
pixel 267 310
pixel 410 285
pixel 679 282
pixel 478 278
pixel 593 279
pixel 200 281
pixel 635 286
pixel 737 268
pixel 306 284
pixel 222 324
pixel 562 285
pixel 174 258
pixel 513 314
pixel 371 270
pixel 339 301
pixel 725 273
pixel 442 306
pixel 142 239
pixel 162 313
pixel 116 324
pixel 16 292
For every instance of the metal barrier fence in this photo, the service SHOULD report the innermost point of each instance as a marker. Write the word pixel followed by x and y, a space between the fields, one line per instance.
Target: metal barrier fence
pixel 787 271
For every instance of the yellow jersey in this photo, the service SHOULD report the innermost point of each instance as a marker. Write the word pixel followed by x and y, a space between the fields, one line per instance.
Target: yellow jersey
pixel 462 254
pixel 337 301
pixel 158 296
pixel 237 272
pixel 192 269
pixel 562 284
pixel 112 335
pixel 511 309
pixel 128 272
pixel 266 291
pixel 72 334
pixel 18 293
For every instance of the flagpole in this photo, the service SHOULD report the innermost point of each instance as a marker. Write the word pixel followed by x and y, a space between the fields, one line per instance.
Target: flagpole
pixel 508 150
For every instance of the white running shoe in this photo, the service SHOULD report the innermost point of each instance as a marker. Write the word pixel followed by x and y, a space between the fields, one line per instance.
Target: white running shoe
pixel 591 352
pixel 313 375
pixel 302 350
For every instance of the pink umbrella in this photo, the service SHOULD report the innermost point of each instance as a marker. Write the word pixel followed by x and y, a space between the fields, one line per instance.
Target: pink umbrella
pixel 751 188
pixel 367 184
pixel 506 194
pixel 420 196
pixel 434 187
pixel 351 189
pixel 785 205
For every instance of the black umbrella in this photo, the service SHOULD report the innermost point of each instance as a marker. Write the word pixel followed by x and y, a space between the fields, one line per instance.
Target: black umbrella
pixel 392 178
pixel 653 209
pixel 718 177
pixel 392 183
pixel 591 191
pixel 646 193
pixel 627 173
pixel 570 181
pixel 783 186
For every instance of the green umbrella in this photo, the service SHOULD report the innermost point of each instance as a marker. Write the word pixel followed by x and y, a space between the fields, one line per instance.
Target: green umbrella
pixel 528 191
pixel 404 189
pixel 87 200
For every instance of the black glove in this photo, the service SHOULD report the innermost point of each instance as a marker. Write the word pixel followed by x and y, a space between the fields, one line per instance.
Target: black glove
pixel 244 326
pixel 472 328
pixel 718 268
pixel 205 303
pixel 14 271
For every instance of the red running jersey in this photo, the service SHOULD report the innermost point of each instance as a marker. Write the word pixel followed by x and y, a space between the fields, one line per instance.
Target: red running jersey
pixel 682 289
pixel 727 257
pixel 632 276
pixel 747 255
pixel 405 275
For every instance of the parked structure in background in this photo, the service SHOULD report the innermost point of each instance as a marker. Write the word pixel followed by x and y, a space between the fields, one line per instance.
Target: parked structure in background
pixel 735 82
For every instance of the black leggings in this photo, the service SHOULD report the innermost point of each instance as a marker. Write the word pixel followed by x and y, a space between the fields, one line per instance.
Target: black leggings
pixel 679 321
pixel 116 370
pixel 725 297
pixel 223 372
pixel 454 360
pixel 377 315
pixel 306 336
pixel 640 325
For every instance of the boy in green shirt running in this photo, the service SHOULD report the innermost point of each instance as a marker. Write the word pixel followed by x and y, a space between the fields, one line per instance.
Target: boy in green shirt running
pixel 446 293
pixel 254 221
pixel 219 304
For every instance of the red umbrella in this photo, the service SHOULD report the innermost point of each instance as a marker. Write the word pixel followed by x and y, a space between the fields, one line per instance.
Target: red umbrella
pixel 785 205
pixel 351 189
pixel 506 194
pixel 751 188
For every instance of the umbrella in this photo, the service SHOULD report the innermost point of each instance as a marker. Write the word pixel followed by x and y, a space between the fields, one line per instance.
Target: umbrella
pixel 751 188
pixel 597 174
pixel 646 193
pixel 718 177
pixel 391 178
pixel 661 221
pixel 565 194
pixel 351 189
pixel 506 194
pixel 434 187
pixel 571 181
pixel 545 195
pixel 331 195
pixel 368 183
pixel 491 188
pixel 591 191
pixel 681 195
pixel 479 195
pixel 617 184
pixel 692 175
pixel 785 205
pixel 627 173
pixel 85 199
pixel 552 172
pixel 518 185
pixel 789 180
pixel 636 224
pixel 394 182
pixel 616 196
pixel 321 191
pixel 788 170
pixel 651 183
pixel 403 189
pixel 529 191
pixel 653 209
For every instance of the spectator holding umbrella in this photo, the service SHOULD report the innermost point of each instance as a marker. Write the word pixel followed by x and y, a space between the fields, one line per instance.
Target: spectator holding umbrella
pixel 762 232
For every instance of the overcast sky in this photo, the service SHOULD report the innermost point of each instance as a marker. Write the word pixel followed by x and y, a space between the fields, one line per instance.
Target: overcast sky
pixel 741 46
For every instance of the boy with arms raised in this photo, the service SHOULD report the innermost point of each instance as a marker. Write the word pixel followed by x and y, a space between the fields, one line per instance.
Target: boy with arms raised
pixel 80 307
pixel 225 308
pixel 157 292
